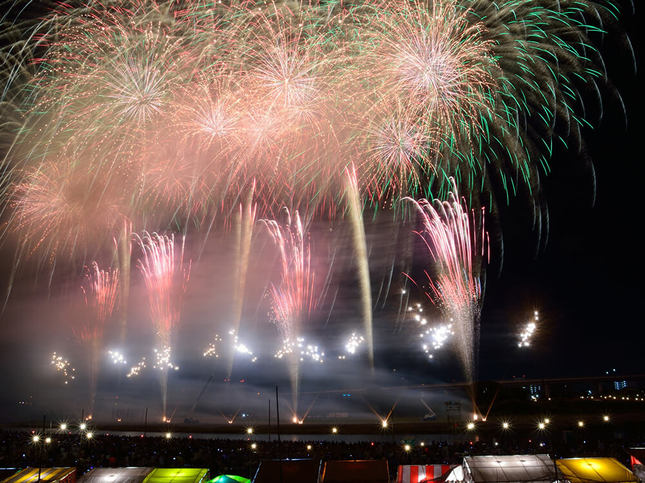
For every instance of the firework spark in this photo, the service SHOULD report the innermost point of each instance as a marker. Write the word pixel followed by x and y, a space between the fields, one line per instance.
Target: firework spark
pixel 64 367
pixel 458 246
pixel 300 349
pixel 62 208
pixel 293 298
pixel 100 291
pixel 137 368
pixel 360 248
pixel 438 336
pixel 526 336
pixel 163 360
pixel 354 342
pixel 240 347
pixel 117 358
pixel 165 277
pixel 213 348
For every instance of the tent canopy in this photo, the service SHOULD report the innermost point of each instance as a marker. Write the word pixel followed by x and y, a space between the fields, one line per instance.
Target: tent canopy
pixel 229 479
pixel 177 475
pixel 46 474
pixel 427 473
pixel 510 468
pixel 131 474
pixel 639 454
pixel 585 470
pixel 287 471
pixel 372 471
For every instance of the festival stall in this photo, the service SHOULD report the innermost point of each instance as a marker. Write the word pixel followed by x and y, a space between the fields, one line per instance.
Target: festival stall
pixel 429 473
pixel 637 459
pixel 587 470
pixel 53 475
pixel 229 479
pixel 7 472
pixel 372 471
pixel 287 471
pixel 177 475
pixel 131 474
pixel 510 468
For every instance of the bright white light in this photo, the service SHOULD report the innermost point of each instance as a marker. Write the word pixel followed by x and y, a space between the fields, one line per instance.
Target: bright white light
pixel 529 330
pixel 117 358
pixel 136 369
pixel 301 349
pixel 63 367
pixel 353 343
pixel 82 426
pixel 163 359
pixel 63 426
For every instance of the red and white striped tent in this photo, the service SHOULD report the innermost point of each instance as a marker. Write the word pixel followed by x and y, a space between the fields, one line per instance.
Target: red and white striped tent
pixel 426 473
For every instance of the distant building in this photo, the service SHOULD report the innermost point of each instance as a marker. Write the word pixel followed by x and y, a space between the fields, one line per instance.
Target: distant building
pixel 618 385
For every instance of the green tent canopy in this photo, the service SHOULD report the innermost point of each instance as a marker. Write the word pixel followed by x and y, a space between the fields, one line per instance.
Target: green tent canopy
pixel 177 475
pixel 229 479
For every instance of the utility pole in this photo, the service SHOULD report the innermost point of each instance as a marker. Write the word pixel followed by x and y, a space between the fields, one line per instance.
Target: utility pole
pixel 277 410
pixel 40 452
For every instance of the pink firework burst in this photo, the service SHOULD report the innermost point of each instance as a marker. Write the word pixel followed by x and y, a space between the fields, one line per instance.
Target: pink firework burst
pixel 100 292
pixel 457 246
pixel 166 278
pixel 293 298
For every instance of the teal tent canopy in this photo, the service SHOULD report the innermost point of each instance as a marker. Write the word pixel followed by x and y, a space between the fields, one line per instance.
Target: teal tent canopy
pixel 229 479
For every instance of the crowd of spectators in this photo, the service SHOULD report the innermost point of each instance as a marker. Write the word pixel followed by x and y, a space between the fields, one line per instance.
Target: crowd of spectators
pixel 242 456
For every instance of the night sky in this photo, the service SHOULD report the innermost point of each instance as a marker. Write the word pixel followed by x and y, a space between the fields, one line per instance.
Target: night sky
pixel 587 282
pixel 584 278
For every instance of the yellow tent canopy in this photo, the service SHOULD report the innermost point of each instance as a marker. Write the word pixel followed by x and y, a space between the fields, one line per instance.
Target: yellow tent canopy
pixel 177 475
pixel 585 470
pixel 46 474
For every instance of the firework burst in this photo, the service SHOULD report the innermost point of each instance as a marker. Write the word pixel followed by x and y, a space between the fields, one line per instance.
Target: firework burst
pixel 457 244
pixel 120 116
pixel 62 208
pixel 411 92
pixel 165 277
pixel 100 291
pixel 137 368
pixel 293 298
pixel 64 367
pixel 526 336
